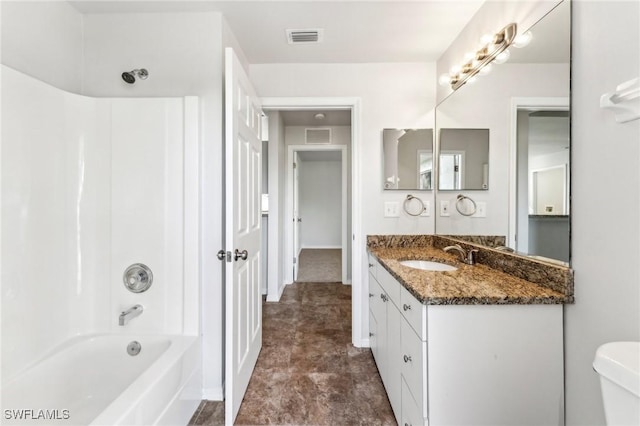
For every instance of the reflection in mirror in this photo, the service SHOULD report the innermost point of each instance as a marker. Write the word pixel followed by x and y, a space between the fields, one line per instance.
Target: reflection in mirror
pixel 463 159
pixel 543 182
pixel 407 158
pixel 524 103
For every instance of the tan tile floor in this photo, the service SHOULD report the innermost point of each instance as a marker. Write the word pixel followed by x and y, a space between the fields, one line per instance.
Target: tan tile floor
pixel 308 372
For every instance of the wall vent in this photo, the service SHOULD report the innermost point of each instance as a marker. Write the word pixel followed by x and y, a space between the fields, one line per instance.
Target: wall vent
pixel 318 136
pixel 305 36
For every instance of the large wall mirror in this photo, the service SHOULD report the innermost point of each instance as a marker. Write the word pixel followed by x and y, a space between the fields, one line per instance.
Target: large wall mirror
pixel 407 159
pixel 463 159
pixel 523 105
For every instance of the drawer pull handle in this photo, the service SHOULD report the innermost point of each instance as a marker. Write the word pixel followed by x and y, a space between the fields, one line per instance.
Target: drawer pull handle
pixel 406 307
pixel 383 297
pixel 371 334
pixel 371 265
pixel 371 294
pixel 407 358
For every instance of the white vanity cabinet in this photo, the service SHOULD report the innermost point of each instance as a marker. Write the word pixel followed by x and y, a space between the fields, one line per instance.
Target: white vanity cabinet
pixel 466 364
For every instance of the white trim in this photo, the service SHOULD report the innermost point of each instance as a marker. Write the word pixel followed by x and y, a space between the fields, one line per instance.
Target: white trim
pixel 359 303
pixel 213 394
pixel 312 247
pixel 540 104
pixel 271 298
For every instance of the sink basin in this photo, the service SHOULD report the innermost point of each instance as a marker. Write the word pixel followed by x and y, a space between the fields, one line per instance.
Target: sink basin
pixel 428 265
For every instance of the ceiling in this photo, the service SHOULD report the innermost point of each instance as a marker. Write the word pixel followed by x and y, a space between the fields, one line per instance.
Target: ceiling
pixel 354 30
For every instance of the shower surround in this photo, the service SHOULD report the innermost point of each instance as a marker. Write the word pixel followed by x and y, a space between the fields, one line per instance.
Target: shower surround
pixel 89 187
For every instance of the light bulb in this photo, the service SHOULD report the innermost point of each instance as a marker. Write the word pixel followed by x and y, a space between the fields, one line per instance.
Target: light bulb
pixel 502 57
pixel 444 79
pixel 486 39
pixel 486 69
pixel 522 40
pixel 469 56
pixel 455 69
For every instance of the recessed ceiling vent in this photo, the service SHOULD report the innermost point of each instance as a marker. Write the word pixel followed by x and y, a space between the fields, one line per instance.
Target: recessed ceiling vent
pixel 305 36
pixel 318 135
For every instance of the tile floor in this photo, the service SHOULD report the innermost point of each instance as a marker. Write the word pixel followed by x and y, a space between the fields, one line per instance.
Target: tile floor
pixel 308 372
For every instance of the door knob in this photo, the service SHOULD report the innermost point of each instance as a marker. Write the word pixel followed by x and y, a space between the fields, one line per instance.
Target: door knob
pixel 240 254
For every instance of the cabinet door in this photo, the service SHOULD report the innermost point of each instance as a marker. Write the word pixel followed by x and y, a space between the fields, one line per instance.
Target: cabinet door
pixel 373 334
pixel 394 358
pixel 414 365
pixel 378 310
pixel 411 413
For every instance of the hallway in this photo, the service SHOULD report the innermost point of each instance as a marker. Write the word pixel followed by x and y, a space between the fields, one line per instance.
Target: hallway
pixel 308 372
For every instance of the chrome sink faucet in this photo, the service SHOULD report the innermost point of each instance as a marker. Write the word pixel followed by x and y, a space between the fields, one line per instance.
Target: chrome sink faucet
pixel 468 257
pixel 132 312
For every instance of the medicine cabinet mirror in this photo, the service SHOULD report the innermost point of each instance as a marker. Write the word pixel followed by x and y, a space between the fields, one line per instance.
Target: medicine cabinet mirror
pixel 522 106
pixel 407 156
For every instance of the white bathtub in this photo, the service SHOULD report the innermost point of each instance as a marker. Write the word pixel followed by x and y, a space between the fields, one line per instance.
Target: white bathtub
pixel 93 380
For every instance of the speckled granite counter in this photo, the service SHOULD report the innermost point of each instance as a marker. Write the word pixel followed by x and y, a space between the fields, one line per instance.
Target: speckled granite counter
pixel 477 284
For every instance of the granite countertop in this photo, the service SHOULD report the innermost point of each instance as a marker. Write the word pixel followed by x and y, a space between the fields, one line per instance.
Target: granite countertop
pixel 468 285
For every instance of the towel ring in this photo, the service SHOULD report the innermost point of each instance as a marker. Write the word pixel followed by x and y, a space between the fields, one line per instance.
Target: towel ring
pixel 460 201
pixel 420 205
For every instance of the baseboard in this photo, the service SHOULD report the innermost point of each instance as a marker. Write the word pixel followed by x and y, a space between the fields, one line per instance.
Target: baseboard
pixel 305 246
pixel 347 282
pixel 213 394
pixel 270 297
pixel 362 343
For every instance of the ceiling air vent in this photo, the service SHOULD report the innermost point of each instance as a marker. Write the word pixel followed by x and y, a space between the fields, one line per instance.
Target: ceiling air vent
pixel 318 136
pixel 304 36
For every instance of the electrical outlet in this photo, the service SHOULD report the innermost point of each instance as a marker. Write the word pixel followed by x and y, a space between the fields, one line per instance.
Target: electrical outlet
pixel 481 210
pixel 444 208
pixel 427 209
pixel 391 209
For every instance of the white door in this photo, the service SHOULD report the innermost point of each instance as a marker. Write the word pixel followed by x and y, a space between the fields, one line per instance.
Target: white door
pixel 243 304
pixel 296 215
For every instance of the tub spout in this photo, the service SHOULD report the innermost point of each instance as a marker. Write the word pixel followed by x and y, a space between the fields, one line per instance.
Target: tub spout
pixel 130 313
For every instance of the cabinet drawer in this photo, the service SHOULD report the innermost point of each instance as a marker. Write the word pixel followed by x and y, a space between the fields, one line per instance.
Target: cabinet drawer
pixel 389 284
pixel 414 364
pixel 411 413
pixel 414 312
pixel 373 266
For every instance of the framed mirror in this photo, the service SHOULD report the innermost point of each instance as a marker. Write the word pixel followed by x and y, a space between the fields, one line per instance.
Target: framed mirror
pixel 524 106
pixel 407 156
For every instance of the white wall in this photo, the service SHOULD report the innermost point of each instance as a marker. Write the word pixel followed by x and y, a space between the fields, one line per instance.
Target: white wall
pixel 605 229
pixel 320 189
pixel 43 39
pixel 462 110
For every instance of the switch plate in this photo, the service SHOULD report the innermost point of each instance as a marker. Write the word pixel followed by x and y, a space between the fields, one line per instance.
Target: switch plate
pixel 427 209
pixel 391 209
pixel 444 208
pixel 481 209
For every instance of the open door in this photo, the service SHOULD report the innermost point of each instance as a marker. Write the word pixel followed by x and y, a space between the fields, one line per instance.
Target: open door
pixel 243 302
pixel 296 215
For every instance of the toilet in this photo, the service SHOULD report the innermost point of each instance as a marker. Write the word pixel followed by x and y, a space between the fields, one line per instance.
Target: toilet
pixel 618 364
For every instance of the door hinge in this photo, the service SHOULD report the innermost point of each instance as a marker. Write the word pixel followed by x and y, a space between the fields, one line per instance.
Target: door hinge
pixel 295 260
pixel 295 165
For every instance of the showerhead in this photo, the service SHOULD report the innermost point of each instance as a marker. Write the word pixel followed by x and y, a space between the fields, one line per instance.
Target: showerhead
pixel 130 77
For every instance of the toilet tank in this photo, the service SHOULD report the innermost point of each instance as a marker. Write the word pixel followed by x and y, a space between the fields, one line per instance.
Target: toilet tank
pixel 618 364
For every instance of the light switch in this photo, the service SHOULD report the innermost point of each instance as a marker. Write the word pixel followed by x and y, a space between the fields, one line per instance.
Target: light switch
pixel 391 209
pixel 444 208
pixel 481 210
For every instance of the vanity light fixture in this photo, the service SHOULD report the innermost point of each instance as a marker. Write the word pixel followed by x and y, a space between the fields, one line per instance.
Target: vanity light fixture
pixel 494 49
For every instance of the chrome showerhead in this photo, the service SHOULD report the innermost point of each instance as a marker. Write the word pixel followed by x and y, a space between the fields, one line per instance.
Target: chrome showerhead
pixel 130 77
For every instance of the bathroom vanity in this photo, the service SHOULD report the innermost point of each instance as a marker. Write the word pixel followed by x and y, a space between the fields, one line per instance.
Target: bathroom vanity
pixel 476 345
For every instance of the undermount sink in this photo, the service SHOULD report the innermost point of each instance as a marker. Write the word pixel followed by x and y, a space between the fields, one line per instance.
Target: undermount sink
pixel 428 265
